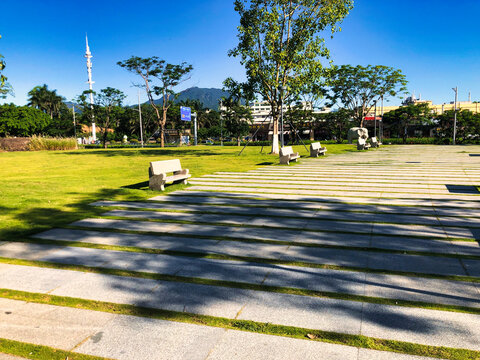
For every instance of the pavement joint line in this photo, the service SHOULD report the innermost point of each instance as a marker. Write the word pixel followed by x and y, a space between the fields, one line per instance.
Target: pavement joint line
pixel 391 191
pixel 218 212
pixel 333 196
pixel 250 240
pixel 286 208
pixel 132 273
pixel 355 340
pixel 189 222
pixel 313 201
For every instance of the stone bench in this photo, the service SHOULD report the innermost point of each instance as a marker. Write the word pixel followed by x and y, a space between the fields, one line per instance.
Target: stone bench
pixel 375 142
pixel 287 155
pixel 362 144
pixel 158 171
pixel 317 149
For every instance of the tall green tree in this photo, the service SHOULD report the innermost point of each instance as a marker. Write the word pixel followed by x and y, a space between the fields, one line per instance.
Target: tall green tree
pixel 468 125
pixel 159 79
pixel 401 119
pixel 337 123
pixel 281 46
pixel 110 102
pixel 5 87
pixel 48 101
pixel 22 120
pixel 356 87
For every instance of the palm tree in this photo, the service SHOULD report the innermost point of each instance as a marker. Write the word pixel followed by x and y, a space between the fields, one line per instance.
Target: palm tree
pixel 40 97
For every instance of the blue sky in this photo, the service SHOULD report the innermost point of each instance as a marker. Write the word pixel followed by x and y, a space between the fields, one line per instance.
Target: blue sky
pixel 434 42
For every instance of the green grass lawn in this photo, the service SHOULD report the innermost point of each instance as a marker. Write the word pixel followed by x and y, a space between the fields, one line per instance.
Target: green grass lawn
pixel 44 189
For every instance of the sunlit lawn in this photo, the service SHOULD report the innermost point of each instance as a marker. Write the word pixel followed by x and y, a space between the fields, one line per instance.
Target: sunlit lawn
pixel 39 190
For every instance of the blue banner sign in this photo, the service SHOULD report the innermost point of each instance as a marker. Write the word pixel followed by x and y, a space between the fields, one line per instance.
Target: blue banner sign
pixel 185 113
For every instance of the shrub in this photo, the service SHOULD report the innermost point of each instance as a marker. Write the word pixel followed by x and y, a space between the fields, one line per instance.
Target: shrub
pixel 43 143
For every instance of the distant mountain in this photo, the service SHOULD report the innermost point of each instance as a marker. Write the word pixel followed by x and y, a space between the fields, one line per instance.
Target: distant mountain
pixel 209 97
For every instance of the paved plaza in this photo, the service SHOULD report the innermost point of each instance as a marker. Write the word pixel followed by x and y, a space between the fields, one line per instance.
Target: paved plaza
pixel 382 243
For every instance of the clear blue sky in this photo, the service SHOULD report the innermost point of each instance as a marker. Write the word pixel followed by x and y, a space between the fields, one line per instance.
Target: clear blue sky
pixel 434 42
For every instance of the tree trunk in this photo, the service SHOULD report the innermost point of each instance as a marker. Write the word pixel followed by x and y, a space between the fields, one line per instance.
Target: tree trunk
pixel 162 128
pixel 275 149
pixel 238 140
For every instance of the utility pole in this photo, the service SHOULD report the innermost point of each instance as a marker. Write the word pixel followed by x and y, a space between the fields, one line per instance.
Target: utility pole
pixel 455 115
pixel 140 118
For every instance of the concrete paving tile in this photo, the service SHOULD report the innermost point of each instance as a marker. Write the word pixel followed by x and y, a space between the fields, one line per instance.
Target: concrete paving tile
pixel 422 326
pixel 26 250
pixel 465 233
pixel 81 256
pixel 330 238
pixel 303 311
pixel 422 289
pixel 238 345
pixel 341 226
pixel 473 267
pixel 413 244
pixel 326 256
pixel 247 272
pixel 128 225
pixel 156 215
pixel 415 263
pixel 317 279
pixel 124 239
pixel 35 279
pixel 128 337
pixel 365 354
pixel 48 325
pixel 408 230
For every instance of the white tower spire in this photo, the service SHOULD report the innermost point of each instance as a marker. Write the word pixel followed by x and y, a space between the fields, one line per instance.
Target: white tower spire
pixel 88 55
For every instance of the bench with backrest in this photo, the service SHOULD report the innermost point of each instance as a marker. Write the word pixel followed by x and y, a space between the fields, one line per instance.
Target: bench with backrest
pixel 287 155
pixel 317 149
pixel 158 171
pixel 375 142
pixel 362 144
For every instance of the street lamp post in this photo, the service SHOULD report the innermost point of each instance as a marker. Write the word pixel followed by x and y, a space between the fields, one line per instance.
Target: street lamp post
pixel 74 123
pixel 455 115
pixel 375 119
pixel 380 127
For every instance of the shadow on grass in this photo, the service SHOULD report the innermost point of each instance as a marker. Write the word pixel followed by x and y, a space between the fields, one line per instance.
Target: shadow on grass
pixel 149 152
pixel 138 186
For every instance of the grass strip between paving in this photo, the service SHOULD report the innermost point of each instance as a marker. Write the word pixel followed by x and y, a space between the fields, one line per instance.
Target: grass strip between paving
pixel 291 208
pixel 359 341
pixel 216 256
pixel 232 239
pixel 310 200
pixel 242 285
pixel 188 222
pixel 213 212
pixel 41 352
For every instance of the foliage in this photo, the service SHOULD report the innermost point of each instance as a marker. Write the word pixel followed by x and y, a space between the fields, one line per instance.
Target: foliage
pixel 281 45
pixel 236 116
pixel 468 126
pixel 400 119
pixel 5 87
pixel 356 87
pixel 337 123
pixel 168 76
pixel 109 102
pixel 44 143
pixel 40 97
pixel 22 120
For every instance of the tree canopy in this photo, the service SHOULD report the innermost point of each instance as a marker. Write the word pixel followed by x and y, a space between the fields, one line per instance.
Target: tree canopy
pixel 413 114
pixel 48 101
pixel 281 46
pixel 5 87
pixel 22 120
pixel 356 87
pixel 167 77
